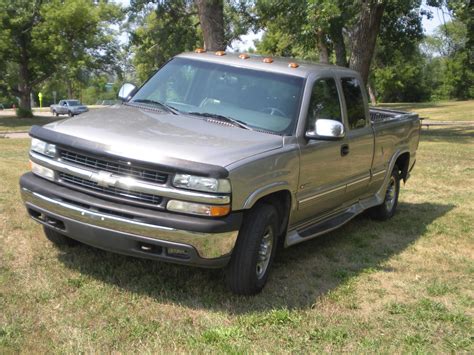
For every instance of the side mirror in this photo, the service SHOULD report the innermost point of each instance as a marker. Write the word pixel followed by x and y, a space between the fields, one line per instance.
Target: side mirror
pixel 126 91
pixel 327 130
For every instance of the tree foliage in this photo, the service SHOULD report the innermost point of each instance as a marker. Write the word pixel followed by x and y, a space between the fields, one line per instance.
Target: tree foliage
pixel 43 38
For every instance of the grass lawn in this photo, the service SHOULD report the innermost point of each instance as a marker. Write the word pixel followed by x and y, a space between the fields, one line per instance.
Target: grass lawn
pixel 404 285
pixel 440 111
pixel 13 123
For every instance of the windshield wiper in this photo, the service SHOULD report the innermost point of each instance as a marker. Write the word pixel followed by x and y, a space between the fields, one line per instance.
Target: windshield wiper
pixel 161 104
pixel 228 119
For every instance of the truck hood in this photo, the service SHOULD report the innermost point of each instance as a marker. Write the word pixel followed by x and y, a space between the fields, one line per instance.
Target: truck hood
pixel 156 136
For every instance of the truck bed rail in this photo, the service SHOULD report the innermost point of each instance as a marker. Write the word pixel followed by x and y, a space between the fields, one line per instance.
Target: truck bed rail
pixel 378 115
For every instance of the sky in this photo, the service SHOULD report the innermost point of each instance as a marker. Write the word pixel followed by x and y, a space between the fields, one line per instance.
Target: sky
pixel 247 40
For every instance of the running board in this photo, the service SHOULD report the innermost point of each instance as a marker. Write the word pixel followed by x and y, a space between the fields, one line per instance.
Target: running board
pixel 326 225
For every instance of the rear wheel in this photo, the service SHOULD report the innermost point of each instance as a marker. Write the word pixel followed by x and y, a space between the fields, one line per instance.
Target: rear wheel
pixel 58 239
pixel 387 209
pixel 255 249
pixel 70 114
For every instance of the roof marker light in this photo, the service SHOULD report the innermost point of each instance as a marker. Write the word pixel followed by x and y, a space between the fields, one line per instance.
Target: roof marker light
pixel 200 50
pixel 293 65
pixel 244 56
pixel 268 60
pixel 220 53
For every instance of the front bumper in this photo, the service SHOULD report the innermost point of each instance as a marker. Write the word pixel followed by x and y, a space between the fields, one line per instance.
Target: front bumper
pixel 130 230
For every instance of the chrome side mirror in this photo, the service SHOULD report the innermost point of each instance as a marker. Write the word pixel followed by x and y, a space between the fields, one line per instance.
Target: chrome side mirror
pixel 327 129
pixel 126 91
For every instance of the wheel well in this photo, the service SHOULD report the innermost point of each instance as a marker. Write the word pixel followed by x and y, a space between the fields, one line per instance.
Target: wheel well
pixel 281 200
pixel 402 163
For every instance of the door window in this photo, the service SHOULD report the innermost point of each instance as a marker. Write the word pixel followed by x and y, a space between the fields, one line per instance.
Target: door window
pixel 324 103
pixel 354 103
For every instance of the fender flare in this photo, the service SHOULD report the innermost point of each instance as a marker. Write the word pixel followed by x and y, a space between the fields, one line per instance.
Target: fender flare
pixel 380 194
pixel 267 190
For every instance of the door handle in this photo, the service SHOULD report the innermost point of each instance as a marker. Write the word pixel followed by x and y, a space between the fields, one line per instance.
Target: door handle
pixel 344 149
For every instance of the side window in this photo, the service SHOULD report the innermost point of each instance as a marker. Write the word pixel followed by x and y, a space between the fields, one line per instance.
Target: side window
pixel 324 102
pixel 354 103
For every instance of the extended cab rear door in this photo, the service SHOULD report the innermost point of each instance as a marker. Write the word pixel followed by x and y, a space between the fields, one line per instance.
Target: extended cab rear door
pixel 360 135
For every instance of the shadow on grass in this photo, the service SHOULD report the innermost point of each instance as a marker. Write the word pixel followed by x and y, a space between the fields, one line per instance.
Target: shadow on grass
pixel 300 274
pixel 447 134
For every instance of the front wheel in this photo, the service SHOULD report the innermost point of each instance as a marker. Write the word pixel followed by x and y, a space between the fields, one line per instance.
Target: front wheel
pixel 387 209
pixel 70 114
pixel 255 249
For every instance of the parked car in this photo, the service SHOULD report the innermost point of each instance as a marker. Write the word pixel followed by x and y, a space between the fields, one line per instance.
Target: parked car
pixel 68 107
pixel 218 159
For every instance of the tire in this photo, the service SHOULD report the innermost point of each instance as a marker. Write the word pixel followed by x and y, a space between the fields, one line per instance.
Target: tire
pixel 58 239
pixel 57 114
pixel 387 209
pixel 70 114
pixel 253 255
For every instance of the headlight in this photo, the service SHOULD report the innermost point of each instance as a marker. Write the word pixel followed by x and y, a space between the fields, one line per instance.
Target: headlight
pixel 43 148
pixel 201 183
pixel 198 209
pixel 42 171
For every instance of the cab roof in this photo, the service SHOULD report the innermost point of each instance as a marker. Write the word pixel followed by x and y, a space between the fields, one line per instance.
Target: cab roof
pixel 254 61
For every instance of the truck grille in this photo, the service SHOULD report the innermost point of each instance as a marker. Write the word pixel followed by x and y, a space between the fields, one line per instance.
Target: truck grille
pixel 127 194
pixel 119 168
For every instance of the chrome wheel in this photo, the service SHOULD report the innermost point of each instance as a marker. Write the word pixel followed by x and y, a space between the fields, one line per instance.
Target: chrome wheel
pixel 264 252
pixel 391 194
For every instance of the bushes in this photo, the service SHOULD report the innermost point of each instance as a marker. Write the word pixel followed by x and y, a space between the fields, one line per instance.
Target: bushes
pixel 24 113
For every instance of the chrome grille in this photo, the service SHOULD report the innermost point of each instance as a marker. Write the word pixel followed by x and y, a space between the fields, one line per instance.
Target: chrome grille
pixel 114 167
pixel 127 194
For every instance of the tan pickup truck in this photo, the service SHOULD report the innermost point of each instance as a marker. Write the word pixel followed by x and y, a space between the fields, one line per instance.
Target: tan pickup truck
pixel 218 159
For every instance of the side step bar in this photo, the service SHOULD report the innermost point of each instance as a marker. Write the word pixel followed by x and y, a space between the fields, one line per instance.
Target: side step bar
pixel 328 224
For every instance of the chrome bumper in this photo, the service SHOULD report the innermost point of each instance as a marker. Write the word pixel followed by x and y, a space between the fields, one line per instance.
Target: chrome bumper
pixel 207 245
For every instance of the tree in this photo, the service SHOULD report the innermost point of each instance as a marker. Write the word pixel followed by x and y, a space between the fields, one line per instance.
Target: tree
pixel 343 32
pixel 365 36
pixel 211 17
pixel 451 49
pixel 162 31
pixel 41 37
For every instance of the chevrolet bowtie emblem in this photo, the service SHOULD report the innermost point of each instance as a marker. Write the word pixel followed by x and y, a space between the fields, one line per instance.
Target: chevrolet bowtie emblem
pixel 104 179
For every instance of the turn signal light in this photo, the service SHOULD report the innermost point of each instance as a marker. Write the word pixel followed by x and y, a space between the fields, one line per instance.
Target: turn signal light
pixel 200 50
pixel 220 53
pixel 244 56
pixel 268 60
pixel 217 211
pixel 293 65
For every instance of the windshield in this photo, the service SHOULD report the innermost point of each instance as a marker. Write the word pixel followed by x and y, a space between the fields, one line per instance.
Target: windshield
pixel 260 100
pixel 73 103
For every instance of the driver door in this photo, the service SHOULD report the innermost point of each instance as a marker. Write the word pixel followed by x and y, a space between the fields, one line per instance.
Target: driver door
pixel 324 166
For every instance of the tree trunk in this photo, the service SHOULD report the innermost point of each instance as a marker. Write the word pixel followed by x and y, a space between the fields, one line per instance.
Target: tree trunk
pixel 24 88
pixel 322 47
pixel 69 89
pixel 338 40
pixel 365 36
pixel 373 99
pixel 211 17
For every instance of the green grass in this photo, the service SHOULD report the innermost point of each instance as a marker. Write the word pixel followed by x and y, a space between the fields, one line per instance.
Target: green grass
pixel 13 123
pixel 439 111
pixel 401 286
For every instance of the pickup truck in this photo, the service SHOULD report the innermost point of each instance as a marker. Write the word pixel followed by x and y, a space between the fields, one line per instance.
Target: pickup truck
pixel 217 161
pixel 68 107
